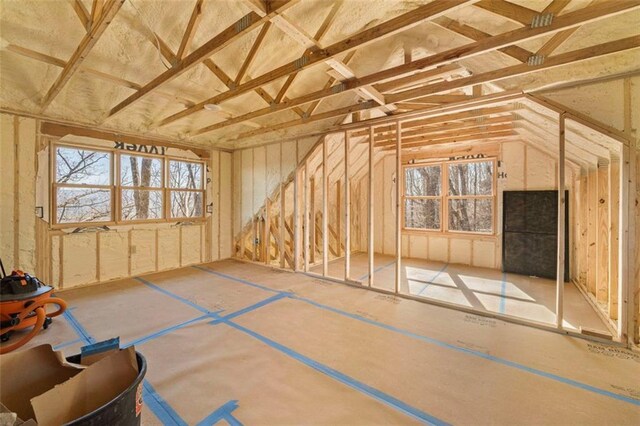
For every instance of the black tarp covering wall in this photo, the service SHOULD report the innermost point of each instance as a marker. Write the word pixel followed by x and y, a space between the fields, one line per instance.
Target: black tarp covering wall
pixel 529 233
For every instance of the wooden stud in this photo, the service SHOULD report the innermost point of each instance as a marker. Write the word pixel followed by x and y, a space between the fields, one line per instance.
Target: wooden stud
pixel 602 238
pixel 16 192
pixel 282 229
pixel 347 208
pixel 398 192
pixel 614 236
pixel 370 202
pixel 325 210
pixel 592 182
pixel 338 220
pixel 307 230
pixel 561 225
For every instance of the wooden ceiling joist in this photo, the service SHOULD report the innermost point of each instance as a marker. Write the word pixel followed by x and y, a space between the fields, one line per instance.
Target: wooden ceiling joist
pixel 516 70
pixel 252 52
pixel 388 28
pixel 409 140
pixel 482 136
pixel 511 11
pixel 192 26
pixel 569 20
pixel 82 12
pixel 241 27
pixel 86 44
pixel 471 33
pixel 522 69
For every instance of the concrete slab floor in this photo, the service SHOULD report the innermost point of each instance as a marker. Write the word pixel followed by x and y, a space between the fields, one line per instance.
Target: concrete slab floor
pixel 237 343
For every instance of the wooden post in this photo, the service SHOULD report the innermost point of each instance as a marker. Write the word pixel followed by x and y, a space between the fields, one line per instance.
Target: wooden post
pixel 625 293
pixel 370 200
pixel 602 238
pixel 398 209
pixel 614 207
pixel 347 208
pixel 307 231
pixel 266 243
pixel 296 222
pixel 282 231
pixel 338 219
pixel 325 208
pixel 312 218
pixel 561 225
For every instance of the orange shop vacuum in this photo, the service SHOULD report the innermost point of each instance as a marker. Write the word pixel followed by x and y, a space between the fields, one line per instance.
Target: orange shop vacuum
pixel 23 300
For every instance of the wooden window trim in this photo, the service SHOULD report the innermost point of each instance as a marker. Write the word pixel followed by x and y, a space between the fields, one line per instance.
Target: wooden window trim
pixel 116 188
pixel 444 198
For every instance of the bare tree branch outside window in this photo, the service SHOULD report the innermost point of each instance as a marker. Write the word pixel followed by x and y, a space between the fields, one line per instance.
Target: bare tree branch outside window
pixel 89 197
pixel 187 194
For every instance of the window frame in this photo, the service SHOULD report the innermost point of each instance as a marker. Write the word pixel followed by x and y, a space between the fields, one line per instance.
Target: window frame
pixel 445 197
pixel 170 190
pixel 116 188
pixel 406 197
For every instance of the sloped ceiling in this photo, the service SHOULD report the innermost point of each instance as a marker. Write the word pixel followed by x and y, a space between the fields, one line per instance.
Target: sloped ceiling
pixel 39 37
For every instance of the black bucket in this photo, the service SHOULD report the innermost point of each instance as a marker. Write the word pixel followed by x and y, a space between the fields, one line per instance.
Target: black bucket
pixel 124 409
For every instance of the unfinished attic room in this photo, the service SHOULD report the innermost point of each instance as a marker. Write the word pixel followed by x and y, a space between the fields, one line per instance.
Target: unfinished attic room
pixel 336 212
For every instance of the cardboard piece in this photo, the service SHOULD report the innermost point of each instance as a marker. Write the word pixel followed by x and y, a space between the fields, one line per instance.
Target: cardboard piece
pixel 40 384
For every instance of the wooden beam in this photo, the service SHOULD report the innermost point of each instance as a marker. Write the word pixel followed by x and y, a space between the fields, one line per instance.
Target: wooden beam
pixel 522 69
pixel 192 26
pixel 325 211
pixel 318 117
pixel 565 21
pixel 86 44
pixel 82 12
pixel 472 33
pixel 450 139
pixel 252 52
pixel 241 27
pixel 398 206
pixel 386 29
pixel 370 207
pixel 96 10
pixel 347 207
pixel 506 9
pixel 61 130
pixel 561 226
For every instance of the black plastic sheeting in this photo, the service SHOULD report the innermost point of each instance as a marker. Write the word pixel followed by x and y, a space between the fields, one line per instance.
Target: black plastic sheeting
pixel 529 233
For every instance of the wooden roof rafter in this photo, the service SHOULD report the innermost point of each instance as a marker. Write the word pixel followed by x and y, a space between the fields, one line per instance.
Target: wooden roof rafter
pixel 388 28
pixel 86 44
pixel 569 20
pixel 191 29
pixel 241 27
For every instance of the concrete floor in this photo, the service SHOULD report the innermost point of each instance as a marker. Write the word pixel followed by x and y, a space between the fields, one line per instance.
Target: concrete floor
pixel 236 343
pixel 482 289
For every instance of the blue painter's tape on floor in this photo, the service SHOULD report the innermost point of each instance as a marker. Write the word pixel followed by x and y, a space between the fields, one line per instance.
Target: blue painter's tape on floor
pixel 479 354
pixel 378 269
pixel 79 329
pixel 503 291
pixel 251 308
pixel 232 421
pixel 175 296
pixel 433 279
pixel 343 378
pixel 222 413
pixel 232 278
pixel 167 330
pixel 160 407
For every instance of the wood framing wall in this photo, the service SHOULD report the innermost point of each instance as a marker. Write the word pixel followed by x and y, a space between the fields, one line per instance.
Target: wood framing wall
pixel 65 259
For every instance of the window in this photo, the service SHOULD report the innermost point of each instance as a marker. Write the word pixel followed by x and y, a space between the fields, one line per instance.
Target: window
pixel 101 186
pixel 470 204
pixel 422 197
pixel 82 185
pixel 141 195
pixel 186 193
pixel 468 197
